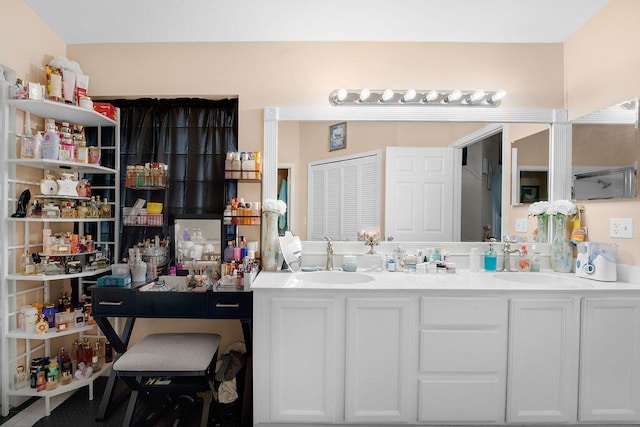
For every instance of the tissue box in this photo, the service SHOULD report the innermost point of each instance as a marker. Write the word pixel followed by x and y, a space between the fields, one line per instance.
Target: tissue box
pixel 597 261
pixel 114 281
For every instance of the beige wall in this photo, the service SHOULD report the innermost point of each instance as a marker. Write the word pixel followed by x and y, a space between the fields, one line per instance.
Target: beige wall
pixel 602 65
pixel 289 74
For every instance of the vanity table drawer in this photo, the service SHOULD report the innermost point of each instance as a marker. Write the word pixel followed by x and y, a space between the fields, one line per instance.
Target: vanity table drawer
pixel 171 304
pixel 230 305
pixel 111 301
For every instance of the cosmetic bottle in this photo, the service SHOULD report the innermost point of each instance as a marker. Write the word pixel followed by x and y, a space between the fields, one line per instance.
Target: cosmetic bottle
pixel 20 378
pixel 490 259
pixel 51 141
pixel 535 259
pixel 524 261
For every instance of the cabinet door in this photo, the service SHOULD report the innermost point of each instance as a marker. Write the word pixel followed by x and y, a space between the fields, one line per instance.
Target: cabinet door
pixel 463 352
pixel 303 359
pixel 543 361
pixel 377 360
pixel 610 360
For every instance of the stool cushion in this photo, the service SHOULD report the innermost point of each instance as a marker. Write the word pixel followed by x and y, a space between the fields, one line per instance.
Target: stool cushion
pixel 173 353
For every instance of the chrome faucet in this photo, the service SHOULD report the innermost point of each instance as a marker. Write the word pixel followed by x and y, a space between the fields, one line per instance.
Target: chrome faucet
pixel 507 251
pixel 329 253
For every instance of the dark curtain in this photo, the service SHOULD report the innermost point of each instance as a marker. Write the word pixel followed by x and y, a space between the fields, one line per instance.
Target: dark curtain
pixel 192 137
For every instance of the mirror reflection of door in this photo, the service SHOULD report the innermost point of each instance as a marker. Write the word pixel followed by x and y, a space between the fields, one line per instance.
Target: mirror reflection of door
pixel 481 194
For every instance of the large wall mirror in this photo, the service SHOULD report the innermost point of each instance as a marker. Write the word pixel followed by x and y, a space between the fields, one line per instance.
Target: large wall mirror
pixel 408 126
pixel 605 153
pixel 530 167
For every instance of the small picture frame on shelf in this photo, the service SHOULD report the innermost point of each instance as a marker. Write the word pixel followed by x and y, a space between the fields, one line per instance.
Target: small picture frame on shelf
pixel 338 136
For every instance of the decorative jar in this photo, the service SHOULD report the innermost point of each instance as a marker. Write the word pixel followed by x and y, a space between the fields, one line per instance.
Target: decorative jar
pixel 270 241
pixel 561 250
pixel 543 229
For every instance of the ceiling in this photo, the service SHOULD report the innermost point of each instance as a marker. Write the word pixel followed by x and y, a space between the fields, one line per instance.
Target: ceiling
pixel 149 21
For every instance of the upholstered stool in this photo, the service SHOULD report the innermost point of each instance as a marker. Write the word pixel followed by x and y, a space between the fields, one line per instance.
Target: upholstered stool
pixel 187 359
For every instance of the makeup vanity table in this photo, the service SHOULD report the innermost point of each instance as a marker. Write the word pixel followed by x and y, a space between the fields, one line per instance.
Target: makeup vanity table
pixel 131 303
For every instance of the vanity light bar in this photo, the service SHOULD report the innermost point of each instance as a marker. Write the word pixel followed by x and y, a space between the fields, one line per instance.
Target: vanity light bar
pixel 457 97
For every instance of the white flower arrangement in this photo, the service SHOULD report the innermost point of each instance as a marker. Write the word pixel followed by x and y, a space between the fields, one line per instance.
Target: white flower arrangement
pixel 539 208
pixel 557 207
pixel 562 207
pixel 274 206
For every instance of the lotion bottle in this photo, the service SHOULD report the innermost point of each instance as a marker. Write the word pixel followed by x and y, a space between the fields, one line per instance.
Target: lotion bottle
pixel 51 142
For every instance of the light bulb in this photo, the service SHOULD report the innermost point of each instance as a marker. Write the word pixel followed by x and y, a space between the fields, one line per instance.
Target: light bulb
pixel 476 96
pixel 364 95
pixel 342 94
pixel 409 95
pixel 386 95
pixel 499 95
pixel 453 96
pixel 432 96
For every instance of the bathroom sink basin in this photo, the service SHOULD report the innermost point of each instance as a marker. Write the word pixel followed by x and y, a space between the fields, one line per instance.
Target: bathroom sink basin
pixel 538 279
pixel 334 277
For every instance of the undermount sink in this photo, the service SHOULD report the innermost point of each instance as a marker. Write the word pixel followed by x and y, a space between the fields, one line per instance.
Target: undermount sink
pixel 536 278
pixel 334 277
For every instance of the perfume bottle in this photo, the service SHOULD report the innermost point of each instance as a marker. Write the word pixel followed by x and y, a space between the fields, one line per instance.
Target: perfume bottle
pixel 20 378
pixel 27 267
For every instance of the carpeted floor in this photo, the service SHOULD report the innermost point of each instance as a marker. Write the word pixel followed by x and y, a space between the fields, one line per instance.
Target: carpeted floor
pixel 156 411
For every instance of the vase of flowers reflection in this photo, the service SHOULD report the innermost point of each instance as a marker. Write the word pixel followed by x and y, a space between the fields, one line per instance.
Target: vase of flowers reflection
pixel 539 211
pixel 561 250
pixel 270 253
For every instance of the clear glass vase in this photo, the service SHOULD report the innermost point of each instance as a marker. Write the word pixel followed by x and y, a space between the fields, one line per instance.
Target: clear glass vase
pixel 542 235
pixel 561 250
pixel 270 253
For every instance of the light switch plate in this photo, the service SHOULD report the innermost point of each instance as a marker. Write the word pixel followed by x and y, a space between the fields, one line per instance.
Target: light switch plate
pixel 521 225
pixel 621 228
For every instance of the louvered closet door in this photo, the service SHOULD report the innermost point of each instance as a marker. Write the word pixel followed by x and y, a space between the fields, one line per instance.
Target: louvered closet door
pixel 344 197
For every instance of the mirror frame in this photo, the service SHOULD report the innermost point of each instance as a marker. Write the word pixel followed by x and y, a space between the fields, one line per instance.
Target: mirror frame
pixel 559 135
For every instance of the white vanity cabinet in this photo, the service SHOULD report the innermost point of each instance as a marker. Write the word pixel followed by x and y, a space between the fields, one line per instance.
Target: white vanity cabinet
pixel 379 359
pixel 610 360
pixel 296 351
pixel 462 360
pixel 543 360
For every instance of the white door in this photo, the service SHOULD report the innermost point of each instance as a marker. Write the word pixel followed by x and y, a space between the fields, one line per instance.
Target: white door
pixel 610 360
pixel 543 361
pixel 419 194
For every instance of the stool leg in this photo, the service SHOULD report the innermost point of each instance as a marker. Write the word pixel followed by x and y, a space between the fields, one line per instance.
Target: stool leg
pixel 205 409
pixel 130 408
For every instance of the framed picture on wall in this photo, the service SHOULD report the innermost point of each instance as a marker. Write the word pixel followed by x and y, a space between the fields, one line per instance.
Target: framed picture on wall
pixel 529 193
pixel 338 136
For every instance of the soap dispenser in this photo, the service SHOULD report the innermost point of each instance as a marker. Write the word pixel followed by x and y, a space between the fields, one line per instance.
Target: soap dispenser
pixel 490 259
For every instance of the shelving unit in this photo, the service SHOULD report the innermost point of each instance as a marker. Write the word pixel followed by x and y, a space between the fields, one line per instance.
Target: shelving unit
pixel 18 346
pixel 152 193
pixel 232 224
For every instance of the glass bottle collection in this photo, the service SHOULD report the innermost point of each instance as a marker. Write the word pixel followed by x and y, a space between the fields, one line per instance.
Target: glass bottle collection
pixel 243 165
pixel 95 207
pixel 153 175
pixel 64 142
pixel 46 373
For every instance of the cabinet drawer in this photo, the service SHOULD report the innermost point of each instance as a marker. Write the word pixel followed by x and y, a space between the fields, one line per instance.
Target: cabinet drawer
pixel 171 304
pixel 462 312
pixel 232 305
pixel 111 301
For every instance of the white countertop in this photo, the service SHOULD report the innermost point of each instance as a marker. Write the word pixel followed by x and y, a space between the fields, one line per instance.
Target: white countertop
pixel 461 280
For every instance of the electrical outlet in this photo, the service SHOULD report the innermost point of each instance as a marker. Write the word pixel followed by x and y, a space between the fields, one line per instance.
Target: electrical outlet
pixel 621 228
pixel 521 225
